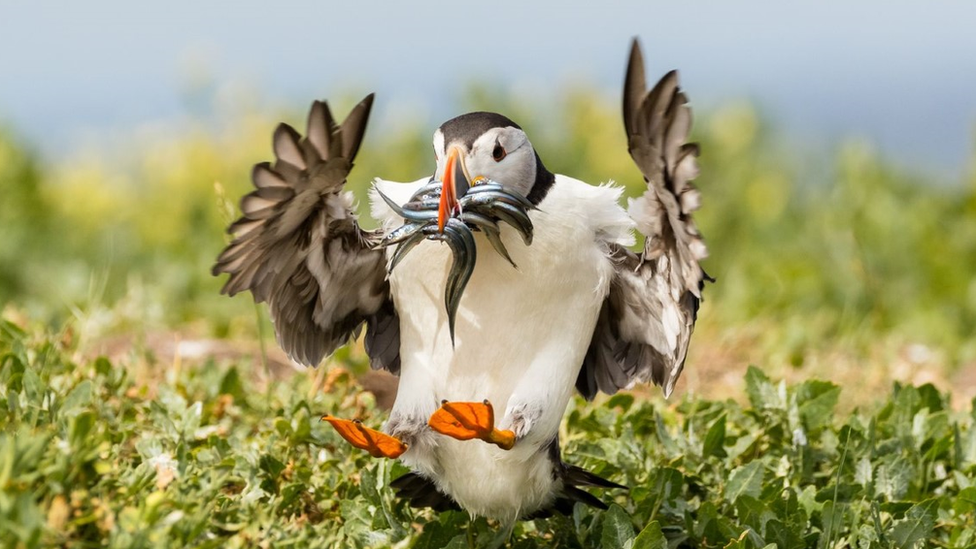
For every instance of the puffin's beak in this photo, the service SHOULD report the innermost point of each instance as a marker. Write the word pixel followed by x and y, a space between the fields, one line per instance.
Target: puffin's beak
pixel 456 184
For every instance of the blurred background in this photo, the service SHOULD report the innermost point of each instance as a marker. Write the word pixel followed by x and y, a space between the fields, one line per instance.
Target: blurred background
pixel 839 158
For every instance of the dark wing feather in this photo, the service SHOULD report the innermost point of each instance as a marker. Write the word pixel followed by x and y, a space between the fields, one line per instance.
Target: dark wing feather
pixel 299 248
pixel 646 322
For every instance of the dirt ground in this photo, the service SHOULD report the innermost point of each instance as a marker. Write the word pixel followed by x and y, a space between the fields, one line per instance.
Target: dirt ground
pixel 715 368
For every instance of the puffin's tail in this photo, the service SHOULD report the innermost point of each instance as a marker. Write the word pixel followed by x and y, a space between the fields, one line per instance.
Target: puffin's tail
pixel 421 492
pixel 574 480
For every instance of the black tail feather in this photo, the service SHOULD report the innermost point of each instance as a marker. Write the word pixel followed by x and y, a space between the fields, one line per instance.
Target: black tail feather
pixel 577 476
pixel 421 492
pixel 573 478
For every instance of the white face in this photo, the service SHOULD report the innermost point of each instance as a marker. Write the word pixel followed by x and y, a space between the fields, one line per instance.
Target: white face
pixel 503 155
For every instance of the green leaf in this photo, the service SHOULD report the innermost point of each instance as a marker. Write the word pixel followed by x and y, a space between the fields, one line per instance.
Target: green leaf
pixel 171 400
pixel 753 513
pixel 862 472
pixel 622 400
pixel 617 528
pixel 966 446
pixel 357 521
pixel 761 392
pixel 436 536
pixel 459 541
pixel 917 525
pixel 965 501
pixel 33 386
pixel 780 534
pixel 746 480
pixel 832 519
pixel 369 485
pixel 892 477
pixel 667 441
pixel 714 527
pixel 651 537
pixel 787 529
pixel 271 465
pixel 715 439
pixel 817 400
pixel 930 397
pixel 77 399
pixel 232 385
pixel 192 417
pixel 807 500
pixel 102 366
pixel 80 426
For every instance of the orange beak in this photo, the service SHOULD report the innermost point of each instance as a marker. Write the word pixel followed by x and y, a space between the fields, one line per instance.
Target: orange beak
pixel 456 184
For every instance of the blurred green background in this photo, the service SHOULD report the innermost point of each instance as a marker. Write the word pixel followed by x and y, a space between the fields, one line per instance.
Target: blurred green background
pixel 832 259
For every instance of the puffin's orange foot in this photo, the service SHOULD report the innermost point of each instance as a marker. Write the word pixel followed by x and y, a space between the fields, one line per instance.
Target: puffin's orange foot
pixel 376 443
pixel 468 420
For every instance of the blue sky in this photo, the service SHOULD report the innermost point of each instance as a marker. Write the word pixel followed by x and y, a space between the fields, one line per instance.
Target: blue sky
pixel 901 74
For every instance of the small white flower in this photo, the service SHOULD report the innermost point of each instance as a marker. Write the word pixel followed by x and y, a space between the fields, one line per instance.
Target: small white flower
pixel 799 437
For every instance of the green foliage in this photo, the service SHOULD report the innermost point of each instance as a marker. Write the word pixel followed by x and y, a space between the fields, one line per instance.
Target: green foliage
pixel 93 455
pixel 25 215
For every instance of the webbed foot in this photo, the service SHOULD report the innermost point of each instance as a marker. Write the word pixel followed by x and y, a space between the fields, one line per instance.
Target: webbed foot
pixel 470 420
pixel 378 444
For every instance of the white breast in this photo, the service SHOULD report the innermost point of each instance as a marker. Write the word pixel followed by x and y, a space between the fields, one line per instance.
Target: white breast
pixel 519 332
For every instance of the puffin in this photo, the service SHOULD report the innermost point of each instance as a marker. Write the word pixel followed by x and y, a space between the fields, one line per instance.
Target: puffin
pixel 492 288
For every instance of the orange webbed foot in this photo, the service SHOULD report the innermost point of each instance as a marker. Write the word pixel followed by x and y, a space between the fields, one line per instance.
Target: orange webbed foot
pixel 469 420
pixel 376 443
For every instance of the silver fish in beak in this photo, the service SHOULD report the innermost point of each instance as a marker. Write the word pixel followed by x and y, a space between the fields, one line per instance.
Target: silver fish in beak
pixel 451 211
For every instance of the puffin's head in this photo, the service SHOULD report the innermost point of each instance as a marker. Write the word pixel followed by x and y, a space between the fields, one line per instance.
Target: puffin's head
pixel 487 175
pixel 481 146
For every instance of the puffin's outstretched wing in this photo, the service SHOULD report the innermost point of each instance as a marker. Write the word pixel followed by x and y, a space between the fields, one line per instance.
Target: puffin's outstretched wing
pixel 298 246
pixel 647 319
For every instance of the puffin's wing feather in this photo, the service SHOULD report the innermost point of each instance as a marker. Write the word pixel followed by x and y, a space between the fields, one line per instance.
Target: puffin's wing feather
pixel 647 319
pixel 299 248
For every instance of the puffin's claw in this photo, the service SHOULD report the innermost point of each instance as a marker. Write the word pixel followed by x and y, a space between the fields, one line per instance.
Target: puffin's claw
pixel 376 443
pixel 469 420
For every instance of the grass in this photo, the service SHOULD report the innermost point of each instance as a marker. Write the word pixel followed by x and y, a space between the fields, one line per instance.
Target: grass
pixel 127 454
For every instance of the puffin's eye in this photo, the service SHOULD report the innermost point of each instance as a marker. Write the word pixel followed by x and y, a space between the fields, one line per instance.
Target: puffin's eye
pixel 498 152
